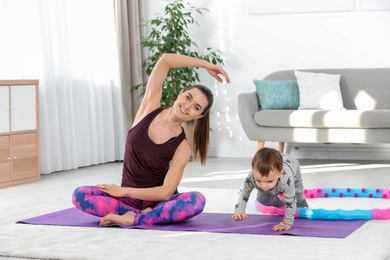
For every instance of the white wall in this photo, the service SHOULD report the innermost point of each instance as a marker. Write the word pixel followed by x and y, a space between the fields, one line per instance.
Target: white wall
pixel 256 45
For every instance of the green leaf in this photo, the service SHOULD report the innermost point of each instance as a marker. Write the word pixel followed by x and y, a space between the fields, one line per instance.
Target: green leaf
pixel 169 34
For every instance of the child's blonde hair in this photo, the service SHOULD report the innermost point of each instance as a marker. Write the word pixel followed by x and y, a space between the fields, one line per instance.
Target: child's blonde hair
pixel 267 159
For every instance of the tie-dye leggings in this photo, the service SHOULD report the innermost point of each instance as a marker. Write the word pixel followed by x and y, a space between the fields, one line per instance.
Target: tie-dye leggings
pixel 179 207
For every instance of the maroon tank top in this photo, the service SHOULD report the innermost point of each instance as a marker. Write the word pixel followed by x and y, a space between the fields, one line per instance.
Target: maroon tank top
pixel 145 163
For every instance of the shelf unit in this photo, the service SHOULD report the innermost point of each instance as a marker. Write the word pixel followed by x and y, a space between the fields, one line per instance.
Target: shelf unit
pixel 19 132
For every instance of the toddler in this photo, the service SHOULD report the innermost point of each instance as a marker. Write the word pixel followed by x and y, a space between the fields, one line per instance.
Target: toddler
pixel 273 174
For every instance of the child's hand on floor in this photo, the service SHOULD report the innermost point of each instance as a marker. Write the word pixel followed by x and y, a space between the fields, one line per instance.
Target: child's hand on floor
pixel 280 227
pixel 239 216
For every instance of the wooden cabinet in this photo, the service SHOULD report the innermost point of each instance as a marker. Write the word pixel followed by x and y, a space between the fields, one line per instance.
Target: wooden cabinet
pixel 5 159
pixel 19 132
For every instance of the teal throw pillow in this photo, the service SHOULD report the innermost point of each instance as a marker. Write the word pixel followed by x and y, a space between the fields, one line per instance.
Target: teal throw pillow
pixel 277 94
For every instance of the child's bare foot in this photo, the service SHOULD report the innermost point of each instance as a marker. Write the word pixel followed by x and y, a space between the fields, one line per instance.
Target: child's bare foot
pixel 125 219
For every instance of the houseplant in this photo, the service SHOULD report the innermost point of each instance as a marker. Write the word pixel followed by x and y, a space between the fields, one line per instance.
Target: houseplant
pixel 170 34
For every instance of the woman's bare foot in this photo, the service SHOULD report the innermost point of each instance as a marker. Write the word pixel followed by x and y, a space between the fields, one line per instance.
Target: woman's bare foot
pixel 125 219
pixel 146 210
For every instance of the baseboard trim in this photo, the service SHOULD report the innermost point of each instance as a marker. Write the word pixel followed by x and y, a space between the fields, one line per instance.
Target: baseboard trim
pixel 313 151
pixel 340 151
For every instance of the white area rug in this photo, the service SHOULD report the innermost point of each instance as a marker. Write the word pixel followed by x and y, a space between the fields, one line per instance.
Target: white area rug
pixel 371 241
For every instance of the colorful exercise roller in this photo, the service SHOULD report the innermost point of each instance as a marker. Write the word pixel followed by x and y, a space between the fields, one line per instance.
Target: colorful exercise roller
pixel 338 214
pixel 346 192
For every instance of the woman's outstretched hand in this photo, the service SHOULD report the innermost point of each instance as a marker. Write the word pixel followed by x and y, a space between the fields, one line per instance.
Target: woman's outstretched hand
pixel 216 71
pixel 111 189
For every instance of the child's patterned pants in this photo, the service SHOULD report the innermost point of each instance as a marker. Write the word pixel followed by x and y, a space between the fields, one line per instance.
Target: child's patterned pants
pixel 178 208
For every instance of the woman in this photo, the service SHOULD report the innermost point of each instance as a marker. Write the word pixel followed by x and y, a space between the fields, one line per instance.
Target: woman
pixel 156 154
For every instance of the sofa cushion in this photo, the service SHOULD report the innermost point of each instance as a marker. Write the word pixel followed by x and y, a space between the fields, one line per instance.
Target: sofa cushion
pixel 277 94
pixel 319 91
pixel 324 118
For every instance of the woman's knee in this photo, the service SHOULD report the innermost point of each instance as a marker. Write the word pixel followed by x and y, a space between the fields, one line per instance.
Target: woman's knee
pixel 76 196
pixel 194 198
pixel 199 201
pixel 199 196
pixel 80 194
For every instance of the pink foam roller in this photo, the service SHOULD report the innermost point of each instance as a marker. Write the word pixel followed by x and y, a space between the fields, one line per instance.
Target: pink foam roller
pixel 313 193
pixel 386 194
pixel 381 214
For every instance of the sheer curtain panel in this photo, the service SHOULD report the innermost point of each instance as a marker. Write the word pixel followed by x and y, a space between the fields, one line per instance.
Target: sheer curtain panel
pixel 71 47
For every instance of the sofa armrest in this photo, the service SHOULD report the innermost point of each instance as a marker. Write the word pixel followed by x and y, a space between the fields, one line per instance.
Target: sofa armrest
pixel 248 105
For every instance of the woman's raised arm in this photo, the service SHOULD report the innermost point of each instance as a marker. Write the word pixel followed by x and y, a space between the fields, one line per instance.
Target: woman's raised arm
pixel 153 92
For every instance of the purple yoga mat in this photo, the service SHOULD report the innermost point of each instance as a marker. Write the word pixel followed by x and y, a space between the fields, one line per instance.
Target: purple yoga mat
pixel 213 222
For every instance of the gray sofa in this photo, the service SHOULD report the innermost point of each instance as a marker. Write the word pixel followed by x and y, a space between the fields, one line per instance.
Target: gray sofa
pixel 366 119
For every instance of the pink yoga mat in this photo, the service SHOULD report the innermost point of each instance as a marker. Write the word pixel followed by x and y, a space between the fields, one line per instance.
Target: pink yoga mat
pixel 256 224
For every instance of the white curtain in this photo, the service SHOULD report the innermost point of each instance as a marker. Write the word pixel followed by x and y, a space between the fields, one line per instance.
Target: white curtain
pixel 71 47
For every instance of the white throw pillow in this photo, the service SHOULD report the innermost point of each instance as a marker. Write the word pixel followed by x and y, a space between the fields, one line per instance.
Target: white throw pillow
pixel 319 91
